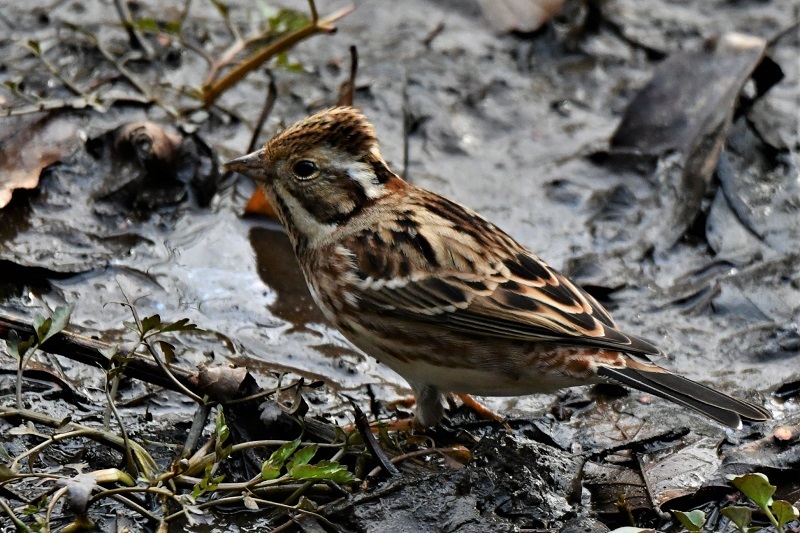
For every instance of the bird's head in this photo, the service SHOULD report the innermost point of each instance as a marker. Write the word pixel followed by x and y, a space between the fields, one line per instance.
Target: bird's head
pixel 320 172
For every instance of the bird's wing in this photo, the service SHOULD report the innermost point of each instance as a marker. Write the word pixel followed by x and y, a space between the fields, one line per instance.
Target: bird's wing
pixel 480 281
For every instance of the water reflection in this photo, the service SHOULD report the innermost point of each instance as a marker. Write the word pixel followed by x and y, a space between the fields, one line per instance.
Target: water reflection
pixel 278 268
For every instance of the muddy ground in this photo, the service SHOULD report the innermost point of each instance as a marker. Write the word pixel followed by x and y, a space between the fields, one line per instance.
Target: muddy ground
pixel 518 127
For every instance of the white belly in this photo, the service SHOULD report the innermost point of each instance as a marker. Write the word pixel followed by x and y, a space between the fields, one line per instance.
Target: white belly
pixel 480 382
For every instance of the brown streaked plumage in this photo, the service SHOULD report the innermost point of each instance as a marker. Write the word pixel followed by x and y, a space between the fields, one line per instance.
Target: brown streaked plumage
pixel 438 293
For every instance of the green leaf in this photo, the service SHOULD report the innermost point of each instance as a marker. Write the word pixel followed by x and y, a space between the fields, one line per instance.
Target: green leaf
pixel 12 344
pixel 131 326
pixel 36 506
pixel 35 48
pixel 42 326
pixel 784 511
pixel 302 457
pixel 59 321
pixel 150 323
pixel 17 348
pixel 755 486
pixel 109 352
pixel 740 516
pixel 181 325
pixel 294 67
pixel 288 20
pixel 269 471
pixel 272 466
pixel 147 25
pixel 284 452
pixel 173 26
pixel 168 350
pixel 693 520
pixel 330 470
pixel 6 473
pixel 222 430
pixel 222 7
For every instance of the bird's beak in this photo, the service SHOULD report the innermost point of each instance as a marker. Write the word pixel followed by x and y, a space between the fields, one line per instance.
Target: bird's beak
pixel 251 165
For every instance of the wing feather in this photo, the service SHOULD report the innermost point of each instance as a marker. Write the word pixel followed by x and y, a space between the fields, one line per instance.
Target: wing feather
pixel 482 282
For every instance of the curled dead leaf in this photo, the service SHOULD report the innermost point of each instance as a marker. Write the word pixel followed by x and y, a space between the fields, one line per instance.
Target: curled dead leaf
pixel 221 382
pixel 519 15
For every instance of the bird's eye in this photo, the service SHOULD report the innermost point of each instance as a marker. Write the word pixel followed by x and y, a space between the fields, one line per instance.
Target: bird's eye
pixel 305 169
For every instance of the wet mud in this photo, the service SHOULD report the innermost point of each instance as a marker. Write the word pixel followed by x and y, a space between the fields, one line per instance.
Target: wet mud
pixel 698 255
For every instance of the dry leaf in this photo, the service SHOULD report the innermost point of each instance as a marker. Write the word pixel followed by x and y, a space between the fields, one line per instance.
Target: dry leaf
pixel 220 382
pixel 519 15
pixel 259 205
pixel 28 146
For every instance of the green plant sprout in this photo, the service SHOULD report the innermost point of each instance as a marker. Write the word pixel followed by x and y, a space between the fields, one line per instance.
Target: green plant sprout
pixel 692 521
pixel 45 329
pixel 756 486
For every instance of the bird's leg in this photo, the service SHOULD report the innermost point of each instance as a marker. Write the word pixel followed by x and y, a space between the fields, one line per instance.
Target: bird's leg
pixel 429 411
pixel 429 405
pixel 481 410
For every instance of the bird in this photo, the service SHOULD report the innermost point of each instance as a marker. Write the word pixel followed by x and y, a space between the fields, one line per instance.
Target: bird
pixel 438 293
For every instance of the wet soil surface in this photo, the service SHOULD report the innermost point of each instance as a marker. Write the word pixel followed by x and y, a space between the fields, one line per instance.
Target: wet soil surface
pixel 517 127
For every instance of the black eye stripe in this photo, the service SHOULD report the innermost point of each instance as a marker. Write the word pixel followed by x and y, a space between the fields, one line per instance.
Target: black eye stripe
pixel 304 168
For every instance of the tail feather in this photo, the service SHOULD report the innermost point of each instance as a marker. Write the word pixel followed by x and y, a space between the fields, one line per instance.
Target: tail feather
pixel 715 405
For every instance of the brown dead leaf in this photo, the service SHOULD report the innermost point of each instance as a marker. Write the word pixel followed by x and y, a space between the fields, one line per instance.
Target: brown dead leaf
pixel 679 470
pixel 152 144
pixel 221 382
pixel 29 145
pixel 259 205
pixel 519 15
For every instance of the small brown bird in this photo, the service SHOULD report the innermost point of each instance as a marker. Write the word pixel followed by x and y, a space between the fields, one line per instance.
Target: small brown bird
pixel 438 293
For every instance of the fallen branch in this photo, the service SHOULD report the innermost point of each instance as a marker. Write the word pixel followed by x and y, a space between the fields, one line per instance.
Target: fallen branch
pixel 89 351
pixel 213 88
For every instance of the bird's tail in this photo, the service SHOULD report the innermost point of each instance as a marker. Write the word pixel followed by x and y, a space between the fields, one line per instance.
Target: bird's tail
pixel 653 379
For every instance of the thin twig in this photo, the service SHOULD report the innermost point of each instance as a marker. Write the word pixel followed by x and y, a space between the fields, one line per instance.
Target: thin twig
pixel 213 89
pixel 416 453
pixel 187 4
pixel 198 423
pixel 165 368
pixel 134 506
pixel 134 35
pixel 57 496
pixel 19 524
pixel 42 445
pixel 433 34
pixel 129 77
pixel 295 508
pixel 263 393
pixel 347 90
pixel 146 464
pixel 269 103
pixel 407 124
pixel 130 465
pixel 55 72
